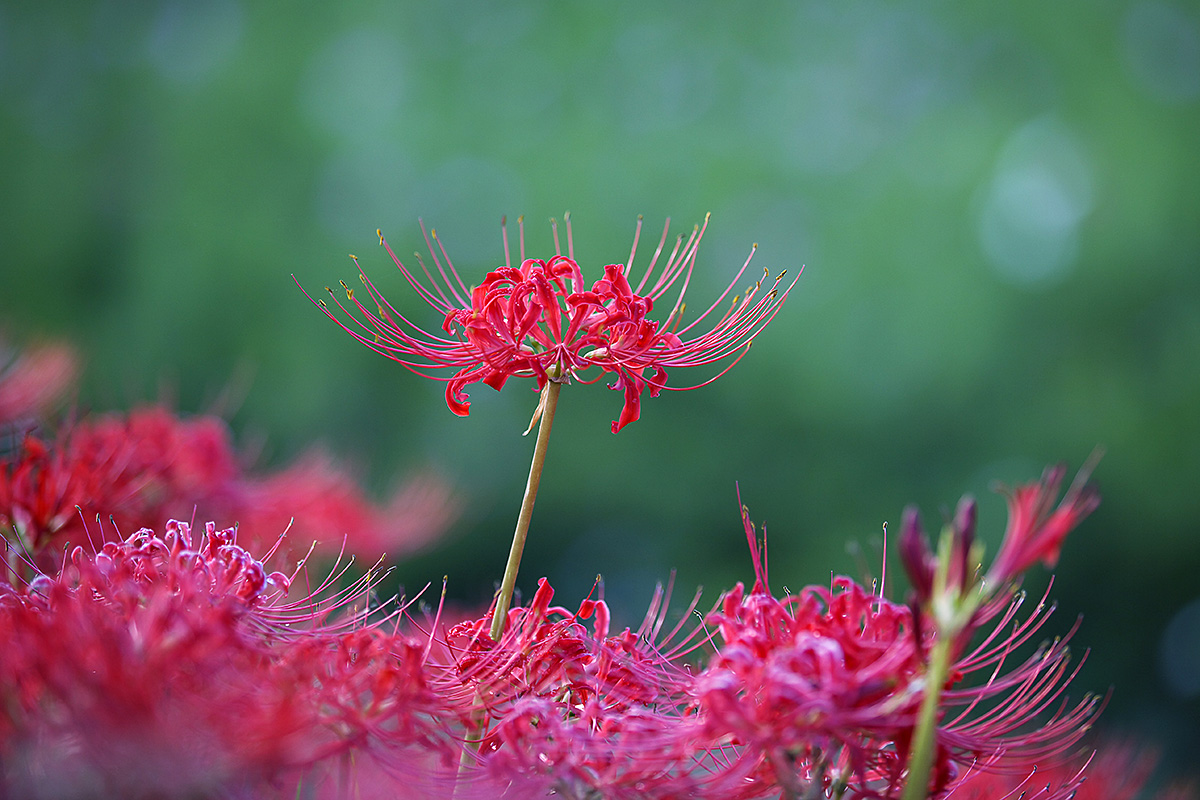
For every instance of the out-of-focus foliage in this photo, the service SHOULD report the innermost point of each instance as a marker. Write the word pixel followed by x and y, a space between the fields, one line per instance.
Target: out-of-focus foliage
pixel 996 207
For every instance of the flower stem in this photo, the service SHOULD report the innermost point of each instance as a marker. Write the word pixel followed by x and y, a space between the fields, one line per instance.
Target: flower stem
pixel 920 759
pixel 549 401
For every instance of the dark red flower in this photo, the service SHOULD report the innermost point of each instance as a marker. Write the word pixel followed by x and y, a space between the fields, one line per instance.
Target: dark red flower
pixel 1036 528
pixel 541 320
pixel 152 463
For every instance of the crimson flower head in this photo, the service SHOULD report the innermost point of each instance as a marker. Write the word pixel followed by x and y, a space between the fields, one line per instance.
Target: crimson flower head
pixel 541 320
pixel 1036 527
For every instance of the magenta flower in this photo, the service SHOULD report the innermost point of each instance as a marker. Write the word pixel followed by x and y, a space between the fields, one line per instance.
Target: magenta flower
pixel 540 320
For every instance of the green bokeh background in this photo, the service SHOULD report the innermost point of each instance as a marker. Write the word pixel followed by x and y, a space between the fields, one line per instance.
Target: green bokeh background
pixel 997 207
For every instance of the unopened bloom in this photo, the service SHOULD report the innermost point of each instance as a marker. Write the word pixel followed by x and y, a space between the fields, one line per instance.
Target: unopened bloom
pixel 541 320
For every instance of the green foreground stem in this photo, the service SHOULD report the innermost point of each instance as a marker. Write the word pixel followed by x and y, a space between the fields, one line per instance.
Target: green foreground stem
pixel 549 402
pixel 924 746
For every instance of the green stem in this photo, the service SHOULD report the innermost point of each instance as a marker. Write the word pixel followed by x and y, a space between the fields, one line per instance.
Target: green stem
pixel 549 401
pixel 924 744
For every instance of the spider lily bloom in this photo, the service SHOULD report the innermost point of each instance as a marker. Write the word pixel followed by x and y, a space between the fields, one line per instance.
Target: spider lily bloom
pixel 562 707
pixel 819 693
pixel 152 463
pixel 178 666
pixel 540 320
pixel 953 598
pixel 1036 529
pixel 1116 770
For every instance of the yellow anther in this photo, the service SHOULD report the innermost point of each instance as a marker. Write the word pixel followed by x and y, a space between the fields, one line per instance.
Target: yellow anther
pixel 707 214
pixel 362 279
pixel 349 291
pixel 520 219
pixel 321 303
pixel 379 233
pixel 354 257
pixel 329 290
pixel 433 233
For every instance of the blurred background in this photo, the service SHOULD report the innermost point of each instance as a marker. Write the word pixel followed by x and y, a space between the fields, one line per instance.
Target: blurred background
pixel 997 208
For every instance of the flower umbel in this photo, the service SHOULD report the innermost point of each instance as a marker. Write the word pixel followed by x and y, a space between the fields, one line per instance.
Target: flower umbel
pixel 540 320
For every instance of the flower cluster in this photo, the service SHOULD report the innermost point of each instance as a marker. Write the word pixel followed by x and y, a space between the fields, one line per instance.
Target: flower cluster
pixel 139 468
pixel 177 666
pixel 540 320
pixel 182 664
pixel 193 669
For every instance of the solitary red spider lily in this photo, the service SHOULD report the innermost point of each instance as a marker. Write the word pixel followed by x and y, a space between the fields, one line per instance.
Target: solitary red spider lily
pixel 540 321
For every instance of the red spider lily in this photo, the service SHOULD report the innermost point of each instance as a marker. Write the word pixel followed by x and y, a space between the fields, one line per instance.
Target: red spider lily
pixel 316 499
pixel 556 707
pixel 164 666
pixel 152 463
pixel 818 693
pixel 541 321
pixel 1036 529
pixel 1114 771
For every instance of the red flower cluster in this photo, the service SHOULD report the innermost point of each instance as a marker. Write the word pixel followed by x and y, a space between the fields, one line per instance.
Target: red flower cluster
pixel 558 708
pixel 152 464
pixel 816 694
pixel 540 320
pixel 173 666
